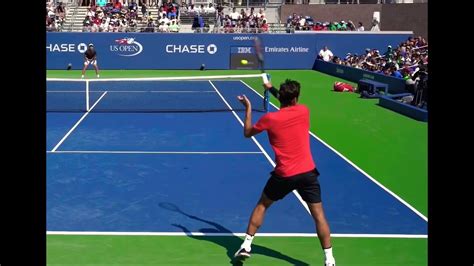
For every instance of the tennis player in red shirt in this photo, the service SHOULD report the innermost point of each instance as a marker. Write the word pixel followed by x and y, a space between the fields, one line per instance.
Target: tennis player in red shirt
pixel 295 169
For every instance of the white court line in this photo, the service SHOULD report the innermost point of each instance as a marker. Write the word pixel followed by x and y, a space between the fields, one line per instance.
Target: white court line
pixel 183 91
pixel 355 166
pixel 177 78
pixel 83 91
pixel 77 124
pixel 96 233
pixel 259 146
pixel 137 91
pixel 159 152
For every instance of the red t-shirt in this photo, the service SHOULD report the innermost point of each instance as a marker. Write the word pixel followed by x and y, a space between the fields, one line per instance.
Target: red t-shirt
pixel 288 133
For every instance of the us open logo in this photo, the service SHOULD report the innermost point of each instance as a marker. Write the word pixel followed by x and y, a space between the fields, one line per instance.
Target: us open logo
pixel 126 47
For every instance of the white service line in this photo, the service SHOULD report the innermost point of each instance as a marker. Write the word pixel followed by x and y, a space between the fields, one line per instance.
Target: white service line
pixel 355 166
pixel 258 144
pixel 159 152
pixel 98 233
pixel 77 124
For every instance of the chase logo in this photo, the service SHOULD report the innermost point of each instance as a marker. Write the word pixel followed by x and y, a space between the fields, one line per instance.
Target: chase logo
pixel 81 48
pixel 66 47
pixel 126 47
pixel 191 49
pixel 212 49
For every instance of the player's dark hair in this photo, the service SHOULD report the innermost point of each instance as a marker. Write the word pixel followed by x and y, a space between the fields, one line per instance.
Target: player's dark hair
pixel 289 90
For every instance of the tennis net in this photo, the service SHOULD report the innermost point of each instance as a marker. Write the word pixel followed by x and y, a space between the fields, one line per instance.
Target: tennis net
pixel 162 94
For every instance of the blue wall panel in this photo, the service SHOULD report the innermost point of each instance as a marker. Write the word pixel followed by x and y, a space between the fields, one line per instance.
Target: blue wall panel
pixel 189 51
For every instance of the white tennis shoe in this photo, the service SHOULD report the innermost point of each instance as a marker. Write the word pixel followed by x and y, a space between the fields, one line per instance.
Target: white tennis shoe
pixel 242 254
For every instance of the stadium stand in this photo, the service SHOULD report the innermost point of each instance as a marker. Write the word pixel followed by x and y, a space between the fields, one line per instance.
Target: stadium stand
pixel 187 17
pixel 55 16
pixel 402 62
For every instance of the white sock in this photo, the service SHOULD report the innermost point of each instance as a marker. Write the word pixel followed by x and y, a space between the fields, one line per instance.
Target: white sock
pixel 328 255
pixel 247 242
pixel 82 76
pixel 97 75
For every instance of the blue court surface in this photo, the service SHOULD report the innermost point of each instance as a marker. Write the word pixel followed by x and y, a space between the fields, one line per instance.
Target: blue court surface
pixel 114 171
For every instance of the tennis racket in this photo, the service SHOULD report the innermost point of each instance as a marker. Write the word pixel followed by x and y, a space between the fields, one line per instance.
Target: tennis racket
pixel 261 63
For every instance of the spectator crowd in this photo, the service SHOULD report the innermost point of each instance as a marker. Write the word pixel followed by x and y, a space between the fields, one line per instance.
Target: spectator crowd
pixel 400 62
pixel 118 17
pixel 197 10
pixel 55 15
pixel 199 24
pixel 307 23
pixel 130 16
pixel 408 61
pixel 245 21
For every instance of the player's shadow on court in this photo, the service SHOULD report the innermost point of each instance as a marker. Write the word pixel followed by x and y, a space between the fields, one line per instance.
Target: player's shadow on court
pixel 231 243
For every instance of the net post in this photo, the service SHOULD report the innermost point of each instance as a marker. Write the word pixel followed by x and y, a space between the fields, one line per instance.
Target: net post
pixel 87 95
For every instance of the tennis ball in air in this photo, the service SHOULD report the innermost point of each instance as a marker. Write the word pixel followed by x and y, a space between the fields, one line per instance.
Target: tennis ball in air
pixel 244 62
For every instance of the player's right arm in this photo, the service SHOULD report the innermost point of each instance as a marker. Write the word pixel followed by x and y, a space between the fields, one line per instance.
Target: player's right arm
pixel 273 90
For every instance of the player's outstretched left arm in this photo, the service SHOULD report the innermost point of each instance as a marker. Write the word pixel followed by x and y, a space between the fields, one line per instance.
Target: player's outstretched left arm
pixel 249 131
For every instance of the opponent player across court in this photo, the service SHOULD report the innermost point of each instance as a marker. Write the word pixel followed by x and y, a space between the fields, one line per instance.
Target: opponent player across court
pixel 288 133
pixel 90 58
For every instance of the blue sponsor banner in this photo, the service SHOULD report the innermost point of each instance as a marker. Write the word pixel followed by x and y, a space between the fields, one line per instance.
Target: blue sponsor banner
pixel 395 85
pixel 189 51
pixel 173 51
pixel 137 51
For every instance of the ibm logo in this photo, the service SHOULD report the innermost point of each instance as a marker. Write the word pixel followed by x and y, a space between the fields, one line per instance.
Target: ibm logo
pixel 244 50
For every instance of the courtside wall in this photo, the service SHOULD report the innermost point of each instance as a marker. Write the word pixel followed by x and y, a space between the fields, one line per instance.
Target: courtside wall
pixel 395 85
pixel 189 51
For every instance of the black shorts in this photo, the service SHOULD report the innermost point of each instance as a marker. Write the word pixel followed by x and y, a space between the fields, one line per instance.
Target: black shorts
pixel 306 184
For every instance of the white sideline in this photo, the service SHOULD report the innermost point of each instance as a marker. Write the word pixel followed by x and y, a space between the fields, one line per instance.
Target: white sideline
pixel 77 124
pixel 157 152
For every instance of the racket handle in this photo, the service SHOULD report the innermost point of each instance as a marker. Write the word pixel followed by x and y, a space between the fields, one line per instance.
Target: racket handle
pixel 265 78
pixel 266 101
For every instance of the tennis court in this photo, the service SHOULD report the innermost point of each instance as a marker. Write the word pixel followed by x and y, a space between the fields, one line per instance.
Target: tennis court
pixel 171 162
